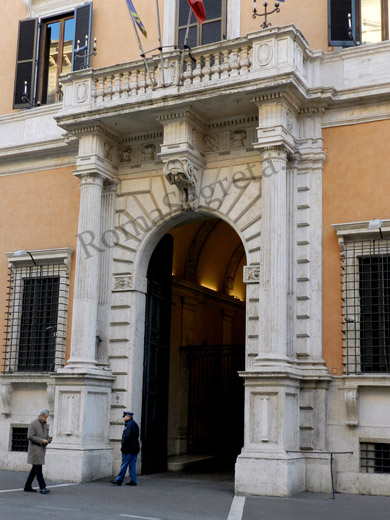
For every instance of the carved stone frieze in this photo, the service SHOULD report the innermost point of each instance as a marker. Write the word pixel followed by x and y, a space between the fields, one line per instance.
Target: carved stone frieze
pixel 238 139
pixel 148 152
pixel 251 274
pixel 123 283
pixel 125 155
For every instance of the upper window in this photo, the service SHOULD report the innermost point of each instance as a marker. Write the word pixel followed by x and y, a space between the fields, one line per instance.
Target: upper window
pixel 212 30
pixel 63 43
pixel 358 21
pixel 37 312
pixel 366 303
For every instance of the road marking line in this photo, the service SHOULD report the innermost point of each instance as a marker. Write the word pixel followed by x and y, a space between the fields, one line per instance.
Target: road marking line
pixel 141 517
pixel 237 508
pixel 21 489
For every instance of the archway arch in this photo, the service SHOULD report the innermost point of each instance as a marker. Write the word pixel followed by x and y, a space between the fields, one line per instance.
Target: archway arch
pixel 193 364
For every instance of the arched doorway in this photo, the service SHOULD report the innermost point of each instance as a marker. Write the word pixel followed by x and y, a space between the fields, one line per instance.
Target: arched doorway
pixel 193 398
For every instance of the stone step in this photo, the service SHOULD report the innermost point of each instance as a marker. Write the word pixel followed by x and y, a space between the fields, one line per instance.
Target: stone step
pixel 182 462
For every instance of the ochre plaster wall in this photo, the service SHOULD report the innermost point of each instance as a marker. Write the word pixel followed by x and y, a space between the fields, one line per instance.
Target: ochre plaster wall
pixel 113 28
pixel 356 184
pixel 38 211
pixel 11 12
pixel 310 16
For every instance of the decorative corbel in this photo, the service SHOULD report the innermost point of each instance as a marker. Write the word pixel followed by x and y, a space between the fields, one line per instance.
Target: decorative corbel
pixel 351 404
pixel 180 172
pixel 7 393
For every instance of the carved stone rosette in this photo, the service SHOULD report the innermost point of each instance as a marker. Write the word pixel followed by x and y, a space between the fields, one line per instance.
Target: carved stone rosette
pixel 180 172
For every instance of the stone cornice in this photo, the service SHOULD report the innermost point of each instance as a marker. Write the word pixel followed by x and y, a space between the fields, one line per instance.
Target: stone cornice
pixel 152 136
pixel 231 122
pixel 95 129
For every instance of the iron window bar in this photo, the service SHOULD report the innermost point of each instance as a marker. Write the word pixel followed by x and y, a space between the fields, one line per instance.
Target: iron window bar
pixel 36 318
pixel 366 306
pixel 374 457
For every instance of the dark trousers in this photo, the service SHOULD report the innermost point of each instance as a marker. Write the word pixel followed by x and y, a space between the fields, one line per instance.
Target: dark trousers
pixel 36 471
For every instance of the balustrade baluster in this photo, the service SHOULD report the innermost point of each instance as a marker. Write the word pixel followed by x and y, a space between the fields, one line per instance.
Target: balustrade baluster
pixel 117 87
pixel 206 69
pixel 187 74
pixel 142 81
pixel 197 72
pixel 244 61
pixel 215 69
pixel 134 82
pixel 126 84
pixel 100 90
pixel 234 62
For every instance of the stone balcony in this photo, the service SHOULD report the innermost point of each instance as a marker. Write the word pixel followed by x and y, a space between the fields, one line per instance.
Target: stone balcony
pixel 219 81
pixel 222 83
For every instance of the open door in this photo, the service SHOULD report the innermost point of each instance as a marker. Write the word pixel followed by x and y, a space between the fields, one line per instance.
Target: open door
pixel 154 429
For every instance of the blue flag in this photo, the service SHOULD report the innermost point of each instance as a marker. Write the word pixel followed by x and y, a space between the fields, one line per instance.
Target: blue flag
pixel 136 18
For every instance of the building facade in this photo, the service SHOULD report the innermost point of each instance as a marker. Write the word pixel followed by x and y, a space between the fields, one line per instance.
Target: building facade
pixel 201 236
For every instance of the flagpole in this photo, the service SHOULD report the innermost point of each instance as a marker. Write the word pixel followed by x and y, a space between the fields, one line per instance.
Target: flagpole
pixel 161 47
pixel 142 52
pixel 184 45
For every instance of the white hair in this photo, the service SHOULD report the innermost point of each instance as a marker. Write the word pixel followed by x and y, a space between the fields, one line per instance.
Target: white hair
pixel 44 411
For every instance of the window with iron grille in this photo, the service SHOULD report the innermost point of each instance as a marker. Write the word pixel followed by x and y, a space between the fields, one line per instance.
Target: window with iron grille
pixel 36 318
pixel 366 306
pixel 19 441
pixel 374 457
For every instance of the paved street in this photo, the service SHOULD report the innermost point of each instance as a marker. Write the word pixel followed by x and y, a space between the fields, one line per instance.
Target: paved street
pixel 173 496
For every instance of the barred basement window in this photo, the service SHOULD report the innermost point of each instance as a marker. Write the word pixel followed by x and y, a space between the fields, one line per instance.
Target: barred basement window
pixel 366 306
pixel 19 441
pixel 374 457
pixel 36 319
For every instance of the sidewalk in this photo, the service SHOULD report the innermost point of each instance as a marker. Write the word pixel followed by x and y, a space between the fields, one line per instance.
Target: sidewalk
pixel 175 496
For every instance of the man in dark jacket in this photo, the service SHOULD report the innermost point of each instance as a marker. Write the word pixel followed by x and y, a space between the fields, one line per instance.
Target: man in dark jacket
pixel 130 449
pixel 38 439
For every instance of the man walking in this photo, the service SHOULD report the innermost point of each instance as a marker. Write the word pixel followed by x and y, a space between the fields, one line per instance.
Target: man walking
pixel 38 439
pixel 130 449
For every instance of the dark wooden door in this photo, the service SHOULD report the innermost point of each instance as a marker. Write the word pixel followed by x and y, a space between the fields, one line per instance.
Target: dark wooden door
pixel 216 400
pixel 156 358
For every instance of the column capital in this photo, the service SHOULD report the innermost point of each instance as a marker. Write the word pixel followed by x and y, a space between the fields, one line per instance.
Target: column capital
pixel 90 178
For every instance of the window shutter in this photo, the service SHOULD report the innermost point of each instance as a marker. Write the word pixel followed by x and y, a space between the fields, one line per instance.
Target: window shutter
pixel 83 21
pixel 25 63
pixel 338 11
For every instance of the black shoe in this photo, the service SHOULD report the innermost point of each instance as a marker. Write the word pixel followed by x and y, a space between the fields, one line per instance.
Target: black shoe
pixel 131 483
pixel 45 491
pixel 30 490
pixel 116 483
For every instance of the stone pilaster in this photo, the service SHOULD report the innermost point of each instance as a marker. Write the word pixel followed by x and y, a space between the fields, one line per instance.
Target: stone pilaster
pixel 273 272
pixel 105 286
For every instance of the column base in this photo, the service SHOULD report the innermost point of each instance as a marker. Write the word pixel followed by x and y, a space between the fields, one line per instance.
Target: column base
pixel 78 464
pixel 269 474
pixel 83 367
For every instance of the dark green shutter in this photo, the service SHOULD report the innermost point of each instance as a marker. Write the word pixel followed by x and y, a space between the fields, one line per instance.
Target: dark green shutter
pixel 83 22
pixel 26 63
pixel 339 31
